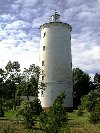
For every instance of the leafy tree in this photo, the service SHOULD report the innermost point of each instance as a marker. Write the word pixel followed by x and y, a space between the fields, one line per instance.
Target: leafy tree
pixel 31 83
pixel 14 84
pixel 81 85
pixel 97 81
pixel 2 75
pixel 2 79
pixel 12 67
pixel 13 77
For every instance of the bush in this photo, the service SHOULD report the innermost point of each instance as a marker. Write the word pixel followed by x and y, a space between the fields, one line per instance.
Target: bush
pixel 55 119
pixel 95 113
pixel 89 101
pixel 80 111
pixel 30 111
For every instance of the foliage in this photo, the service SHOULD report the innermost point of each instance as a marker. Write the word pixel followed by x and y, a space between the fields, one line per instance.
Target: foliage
pixel 95 113
pixel 30 111
pixel 8 104
pixel 55 119
pixel 30 83
pixel 76 124
pixel 12 78
pixel 2 75
pixel 97 80
pixel 12 67
pixel 1 108
pixel 80 111
pixel 81 85
pixel 14 83
pixel 89 101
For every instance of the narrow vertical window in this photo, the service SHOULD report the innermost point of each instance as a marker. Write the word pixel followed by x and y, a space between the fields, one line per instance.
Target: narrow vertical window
pixel 42 93
pixel 42 63
pixel 70 37
pixel 71 65
pixel 42 71
pixel 42 77
pixel 43 48
pixel 44 34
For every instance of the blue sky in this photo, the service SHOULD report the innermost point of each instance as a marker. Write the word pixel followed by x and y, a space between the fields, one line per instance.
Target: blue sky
pixel 20 34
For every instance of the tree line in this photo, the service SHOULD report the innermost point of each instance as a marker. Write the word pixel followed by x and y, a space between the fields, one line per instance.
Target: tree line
pixel 15 83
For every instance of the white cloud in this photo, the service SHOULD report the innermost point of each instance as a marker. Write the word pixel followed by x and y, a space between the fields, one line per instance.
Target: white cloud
pixel 20 36
pixel 95 53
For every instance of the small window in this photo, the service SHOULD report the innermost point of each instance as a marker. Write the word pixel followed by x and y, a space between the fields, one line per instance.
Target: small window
pixel 42 71
pixel 42 93
pixel 42 77
pixel 43 48
pixel 71 65
pixel 70 37
pixel 44 34
pixel 42 63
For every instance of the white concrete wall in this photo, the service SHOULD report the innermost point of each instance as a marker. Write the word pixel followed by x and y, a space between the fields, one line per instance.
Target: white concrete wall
pixel 57 63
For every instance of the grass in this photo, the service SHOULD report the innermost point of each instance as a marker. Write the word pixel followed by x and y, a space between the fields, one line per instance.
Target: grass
pixel 9 123
pixel 77 124
pixel 81 124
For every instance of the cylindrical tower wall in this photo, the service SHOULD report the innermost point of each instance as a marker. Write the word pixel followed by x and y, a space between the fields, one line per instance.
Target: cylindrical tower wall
pixel 56 61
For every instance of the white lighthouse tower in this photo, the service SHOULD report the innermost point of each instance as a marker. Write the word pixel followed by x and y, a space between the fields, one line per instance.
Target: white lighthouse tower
pixel 56 62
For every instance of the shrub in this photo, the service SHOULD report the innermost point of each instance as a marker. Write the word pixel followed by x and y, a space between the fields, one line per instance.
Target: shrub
pixel 95 113
pixel 89 101
pixel 80 111
pixel 30 111
pixel 55 119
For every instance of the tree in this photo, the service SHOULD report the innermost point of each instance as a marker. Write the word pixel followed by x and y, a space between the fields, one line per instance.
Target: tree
pixel 97 81
pixel 13 77
pixel 81 85
pixel 2 75
pixel 14 84
pixel 12 67
pixel 31 83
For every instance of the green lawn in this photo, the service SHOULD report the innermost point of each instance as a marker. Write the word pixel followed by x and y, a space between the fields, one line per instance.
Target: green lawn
pixel 81 124
pixel 77 124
